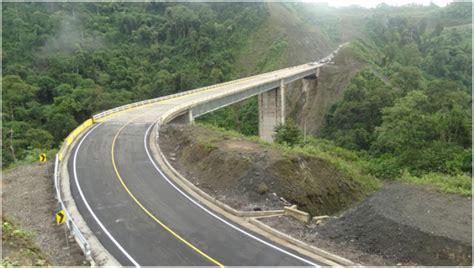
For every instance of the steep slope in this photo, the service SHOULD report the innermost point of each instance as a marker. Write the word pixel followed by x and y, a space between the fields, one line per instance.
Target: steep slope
pixel 295 33
pixel 283 40
pixel 248 175
pixel 308 108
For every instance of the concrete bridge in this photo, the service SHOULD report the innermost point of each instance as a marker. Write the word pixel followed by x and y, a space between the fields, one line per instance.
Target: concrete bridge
pixel 270 89
pixel 123 208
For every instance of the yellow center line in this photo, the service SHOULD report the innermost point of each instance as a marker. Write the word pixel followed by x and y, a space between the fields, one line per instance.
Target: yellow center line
pixel 177 236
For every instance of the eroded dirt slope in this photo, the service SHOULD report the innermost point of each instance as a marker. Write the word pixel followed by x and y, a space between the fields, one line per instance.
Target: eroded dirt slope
pixel 248 175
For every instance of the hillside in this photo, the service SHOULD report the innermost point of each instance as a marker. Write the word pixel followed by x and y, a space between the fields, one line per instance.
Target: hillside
pixel 282 40
pixel 398 94
pixel 70 61
pixel 248 175
pixel 399 224
pixel 63 62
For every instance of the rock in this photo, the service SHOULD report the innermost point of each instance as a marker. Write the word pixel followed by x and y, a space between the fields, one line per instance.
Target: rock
pixel 172 159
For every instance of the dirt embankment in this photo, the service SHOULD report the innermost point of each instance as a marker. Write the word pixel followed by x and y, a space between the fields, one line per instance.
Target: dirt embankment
pixel 251 176
pixel 28 200
pixel 400 225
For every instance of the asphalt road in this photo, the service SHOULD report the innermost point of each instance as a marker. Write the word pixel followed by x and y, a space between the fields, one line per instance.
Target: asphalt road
pixel 140 216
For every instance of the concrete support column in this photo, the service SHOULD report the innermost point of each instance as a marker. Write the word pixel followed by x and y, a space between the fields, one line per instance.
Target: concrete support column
pixel 186 118
pixel 306 83
pixel 271 111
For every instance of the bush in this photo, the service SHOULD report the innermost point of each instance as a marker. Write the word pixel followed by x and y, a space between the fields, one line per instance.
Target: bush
pixel 459 184
pixel 385 167
pixel 288 133
pixel 262 188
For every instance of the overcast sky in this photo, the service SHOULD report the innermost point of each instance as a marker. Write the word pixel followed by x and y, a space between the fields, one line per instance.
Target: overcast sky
pixel 373 3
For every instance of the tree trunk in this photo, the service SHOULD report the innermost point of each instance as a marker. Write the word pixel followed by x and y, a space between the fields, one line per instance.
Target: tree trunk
pixel 12 150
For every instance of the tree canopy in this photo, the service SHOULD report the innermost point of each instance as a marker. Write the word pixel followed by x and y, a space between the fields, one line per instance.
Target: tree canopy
pixel 410 109
pixel 63 62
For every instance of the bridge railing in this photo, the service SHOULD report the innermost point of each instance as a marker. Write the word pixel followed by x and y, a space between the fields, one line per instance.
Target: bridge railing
pixel 155 100
pixel 177 110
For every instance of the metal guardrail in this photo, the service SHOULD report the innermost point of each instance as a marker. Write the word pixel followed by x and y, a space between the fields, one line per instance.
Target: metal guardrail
pixel 71 225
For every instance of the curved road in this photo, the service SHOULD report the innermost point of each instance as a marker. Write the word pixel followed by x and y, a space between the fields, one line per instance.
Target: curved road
pixel 140 216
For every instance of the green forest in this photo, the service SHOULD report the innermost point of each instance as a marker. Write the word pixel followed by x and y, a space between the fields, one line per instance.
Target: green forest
pixel 406 114
pixel 411 109
pixel 64 62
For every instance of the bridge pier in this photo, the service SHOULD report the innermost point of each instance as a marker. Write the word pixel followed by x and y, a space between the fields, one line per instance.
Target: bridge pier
pixel 185 118
pixel 271 111
pixel 307 80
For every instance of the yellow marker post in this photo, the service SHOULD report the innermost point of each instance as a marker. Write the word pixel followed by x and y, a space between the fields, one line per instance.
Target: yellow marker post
pixel 60 217
pixel 42 157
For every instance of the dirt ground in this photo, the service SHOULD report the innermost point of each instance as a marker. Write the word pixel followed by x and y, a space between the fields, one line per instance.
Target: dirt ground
pixel 399 225
pixel 28 199
pixel 250 176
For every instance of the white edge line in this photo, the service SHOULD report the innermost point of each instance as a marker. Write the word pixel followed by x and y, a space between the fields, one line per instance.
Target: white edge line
pixel 213 214
pixel 88 206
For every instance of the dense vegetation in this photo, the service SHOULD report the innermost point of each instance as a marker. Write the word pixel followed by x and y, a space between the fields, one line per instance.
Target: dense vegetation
pixel 63 62
pixel 411 108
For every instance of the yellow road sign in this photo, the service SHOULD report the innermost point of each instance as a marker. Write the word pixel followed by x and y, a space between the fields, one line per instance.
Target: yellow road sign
pixel 60 217
pixel 42 157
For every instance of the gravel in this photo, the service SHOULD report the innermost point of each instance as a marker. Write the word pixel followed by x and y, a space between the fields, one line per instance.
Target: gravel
pixel 399 225
pixel 28 199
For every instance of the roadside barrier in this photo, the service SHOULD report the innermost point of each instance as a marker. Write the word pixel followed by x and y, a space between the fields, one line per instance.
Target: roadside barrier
pixel 73 229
